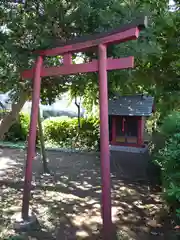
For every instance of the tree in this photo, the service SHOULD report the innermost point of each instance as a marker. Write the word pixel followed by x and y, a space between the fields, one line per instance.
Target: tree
pixel 45 23
pixel 10 118
pixel 41 138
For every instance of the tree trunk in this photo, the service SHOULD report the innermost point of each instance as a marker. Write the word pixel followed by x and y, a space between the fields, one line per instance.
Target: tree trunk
pixel 79 113
pixel 43 151
pixel 10 118
pixel 78 105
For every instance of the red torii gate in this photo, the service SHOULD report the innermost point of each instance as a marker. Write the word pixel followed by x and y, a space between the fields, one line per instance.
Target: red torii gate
pixel 100 41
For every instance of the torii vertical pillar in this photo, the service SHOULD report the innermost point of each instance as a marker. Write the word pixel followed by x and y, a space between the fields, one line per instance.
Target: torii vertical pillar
pixel 32 137
pixel 104 143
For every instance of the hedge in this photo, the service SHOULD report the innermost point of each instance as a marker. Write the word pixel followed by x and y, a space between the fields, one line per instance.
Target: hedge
pixel 59 131
pixel 65 132
pixel 19 130
pixel 168 158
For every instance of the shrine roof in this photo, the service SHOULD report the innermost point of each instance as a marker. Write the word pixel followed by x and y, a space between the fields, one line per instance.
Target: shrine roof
pixel 138 105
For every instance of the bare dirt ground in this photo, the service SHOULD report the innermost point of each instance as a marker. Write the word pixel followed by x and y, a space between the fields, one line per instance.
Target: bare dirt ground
pixel 67 203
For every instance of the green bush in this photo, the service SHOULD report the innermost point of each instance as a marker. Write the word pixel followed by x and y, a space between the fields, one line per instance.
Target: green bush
pixel 60 131
pixel 2 113
pixel 171 124
pixel 168 158
pixel 19 130
pixel 64 132
pixel 57 129
pixel 89 132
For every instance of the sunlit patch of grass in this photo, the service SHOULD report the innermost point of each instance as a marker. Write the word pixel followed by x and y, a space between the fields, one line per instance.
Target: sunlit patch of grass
pixel 70 198
pixel 123 235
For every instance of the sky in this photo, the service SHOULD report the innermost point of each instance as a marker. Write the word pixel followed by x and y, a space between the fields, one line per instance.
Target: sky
pixel 60 105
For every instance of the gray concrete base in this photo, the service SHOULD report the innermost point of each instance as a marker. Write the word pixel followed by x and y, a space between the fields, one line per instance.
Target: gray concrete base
pixel 128 149
pixel 21 225
pixel 130 165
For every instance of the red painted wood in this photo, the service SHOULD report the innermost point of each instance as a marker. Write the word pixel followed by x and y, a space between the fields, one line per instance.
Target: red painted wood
pixel 113 129
pixel 130 34
pixel 123 124
pixel 112 64
pixel 67 59
pixel 32 137
pixel 140 133
pixel 102 66
pixel 104 144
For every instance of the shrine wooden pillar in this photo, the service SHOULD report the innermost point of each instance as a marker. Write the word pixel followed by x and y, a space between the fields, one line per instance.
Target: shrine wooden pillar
pixel 32 137
pixel 104 143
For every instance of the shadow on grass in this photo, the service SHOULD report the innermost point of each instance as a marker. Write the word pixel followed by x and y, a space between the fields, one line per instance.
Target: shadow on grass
pixel 68 202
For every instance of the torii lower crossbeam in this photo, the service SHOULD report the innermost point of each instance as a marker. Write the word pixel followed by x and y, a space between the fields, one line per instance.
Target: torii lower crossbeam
pixel 111 64
pixel 102 65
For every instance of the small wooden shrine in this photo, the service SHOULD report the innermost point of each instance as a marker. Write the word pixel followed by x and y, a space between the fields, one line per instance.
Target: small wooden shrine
pixel 127 116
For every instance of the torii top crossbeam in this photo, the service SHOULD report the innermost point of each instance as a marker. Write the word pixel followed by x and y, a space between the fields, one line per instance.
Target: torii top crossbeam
pixel 121 34
pixel 82 44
